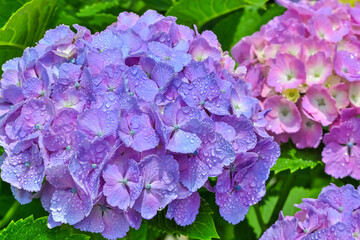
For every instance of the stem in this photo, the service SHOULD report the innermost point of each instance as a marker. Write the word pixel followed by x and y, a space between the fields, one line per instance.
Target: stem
pixel 8 216
pixel 286 187
pixel 259 218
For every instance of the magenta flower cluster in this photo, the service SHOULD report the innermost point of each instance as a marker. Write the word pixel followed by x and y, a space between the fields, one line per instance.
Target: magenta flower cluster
pixel 334 215
pixel 110 128
pixel 305 66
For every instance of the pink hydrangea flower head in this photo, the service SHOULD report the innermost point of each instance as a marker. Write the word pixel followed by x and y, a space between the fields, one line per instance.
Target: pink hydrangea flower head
pixel 243 52
pixel 284 116
pixel 331 28
pixel 310 56
pixel 292 47
pixel 309 135
pixel 354 94
pixel 347 65
pixel 313 45
pixel 286 72
pixel 318 68
pixel 319 106
pixel 304 7
pixel 340 92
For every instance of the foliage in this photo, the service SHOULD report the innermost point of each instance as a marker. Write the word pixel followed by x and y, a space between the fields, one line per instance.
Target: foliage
pixel 26 26
pixel 294 159
pixel 199 12
pixel 36 229
pixel 202 228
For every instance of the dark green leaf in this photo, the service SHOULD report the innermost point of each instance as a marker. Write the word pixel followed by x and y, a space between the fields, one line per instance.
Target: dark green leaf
pixel 101 20
pixel 224 29
pixel 265 208
pixel 160 5
pixel 294 159
pixel 38 230
pixel 252 20
pixel 258 3
pixel 140 234
pixel 199 12
pixel 202 228
pixel 224 229
pixel 8 8
pixel 234 26
pixel 244 231
pixel 24 28
pixel 90 10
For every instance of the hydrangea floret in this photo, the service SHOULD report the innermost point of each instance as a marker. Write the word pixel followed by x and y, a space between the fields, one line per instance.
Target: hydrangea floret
pixel 108 129
pixel 305 66
pixel 335 214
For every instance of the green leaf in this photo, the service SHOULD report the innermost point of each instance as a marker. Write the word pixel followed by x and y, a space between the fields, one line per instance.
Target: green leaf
pixel 265 208
pixel 37 229
pixel 294 159
pixel 224 229
pixel 258 3
pixel 8 7
pixel 244 231
pixel 252 20
pixel 25 27
pixel 101 20
pixel 202 228
pixel 224 29
pixel 245 22
pixel 199 12
pixel 295 197
pixel 90 10
pixel 140 234
pixel 161 5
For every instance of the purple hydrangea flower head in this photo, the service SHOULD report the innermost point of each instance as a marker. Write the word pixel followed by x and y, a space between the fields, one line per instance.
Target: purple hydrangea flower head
pixel 136 131
pixel 112 127
pixel 123 184
pixel 69 202
pixel 35 118
pixel 105 219
pixel 97 123
pixel 22 196
pixel 87 164
pixel 24 170
pixel 242 103
pixel 174 117
pixel 184 211
pixel 240 185
pixel 341 152
pixel 283 229
pixel 160 184
pixel 333 215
